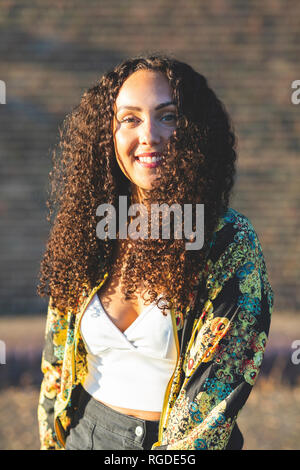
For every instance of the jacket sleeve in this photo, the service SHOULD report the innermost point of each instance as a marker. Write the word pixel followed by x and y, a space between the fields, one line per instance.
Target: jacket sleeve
pixel 51 367
pixel 225 351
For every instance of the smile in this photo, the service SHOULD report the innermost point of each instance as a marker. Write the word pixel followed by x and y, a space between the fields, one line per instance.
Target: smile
pixel 149 160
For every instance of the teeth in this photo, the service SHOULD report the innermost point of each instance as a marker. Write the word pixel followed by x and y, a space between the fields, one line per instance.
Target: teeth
pixel 149 159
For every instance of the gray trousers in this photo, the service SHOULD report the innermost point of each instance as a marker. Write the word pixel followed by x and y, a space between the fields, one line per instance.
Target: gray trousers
pixel 95 426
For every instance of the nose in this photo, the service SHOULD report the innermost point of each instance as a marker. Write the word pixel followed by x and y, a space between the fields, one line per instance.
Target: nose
pixel 149 133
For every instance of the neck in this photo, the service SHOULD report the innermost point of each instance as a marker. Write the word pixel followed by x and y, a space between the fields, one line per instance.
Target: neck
pixel 137 195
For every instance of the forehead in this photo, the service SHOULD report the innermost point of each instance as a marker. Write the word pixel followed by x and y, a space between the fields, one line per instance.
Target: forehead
pixel 144 87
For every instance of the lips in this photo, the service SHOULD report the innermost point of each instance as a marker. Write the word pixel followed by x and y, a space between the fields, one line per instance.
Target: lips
pixel 149 160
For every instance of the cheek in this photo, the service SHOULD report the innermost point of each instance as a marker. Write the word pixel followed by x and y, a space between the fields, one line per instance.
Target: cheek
pixel 124 142
pixel 124 148
pixel 166 133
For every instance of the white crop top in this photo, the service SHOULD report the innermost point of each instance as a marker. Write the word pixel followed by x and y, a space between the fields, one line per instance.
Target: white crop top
pixel 129 369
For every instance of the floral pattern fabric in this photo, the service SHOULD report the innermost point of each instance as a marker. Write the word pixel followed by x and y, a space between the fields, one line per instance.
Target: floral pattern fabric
pixel 217 367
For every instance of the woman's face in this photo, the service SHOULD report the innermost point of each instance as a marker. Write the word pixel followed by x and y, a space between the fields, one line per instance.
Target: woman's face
pixel 144 119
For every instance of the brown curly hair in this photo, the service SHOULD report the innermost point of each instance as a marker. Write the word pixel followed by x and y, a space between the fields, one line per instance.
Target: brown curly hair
pixel 198 167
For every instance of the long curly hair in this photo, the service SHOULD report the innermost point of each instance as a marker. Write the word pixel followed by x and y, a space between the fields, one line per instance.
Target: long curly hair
pixel 198 167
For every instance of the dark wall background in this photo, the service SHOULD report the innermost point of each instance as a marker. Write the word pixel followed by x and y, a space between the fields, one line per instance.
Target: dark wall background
pixel 51 51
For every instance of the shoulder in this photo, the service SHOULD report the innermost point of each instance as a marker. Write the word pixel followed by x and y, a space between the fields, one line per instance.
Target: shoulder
pixel 237 270
pixel 234 232
pixel 233 222
pixel 236 253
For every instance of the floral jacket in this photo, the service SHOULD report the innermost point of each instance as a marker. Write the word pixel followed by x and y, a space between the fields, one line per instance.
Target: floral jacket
pixel 220 348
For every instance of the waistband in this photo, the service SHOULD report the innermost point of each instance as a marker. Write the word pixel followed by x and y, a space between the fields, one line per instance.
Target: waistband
pixel 100 414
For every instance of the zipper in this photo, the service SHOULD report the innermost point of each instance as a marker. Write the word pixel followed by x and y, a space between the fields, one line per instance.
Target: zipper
pixel 188 329
pixel 57 424
pixel 58 431
pixel 166 397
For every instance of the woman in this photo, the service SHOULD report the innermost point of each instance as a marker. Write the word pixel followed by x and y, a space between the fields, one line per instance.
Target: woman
pixel 149 344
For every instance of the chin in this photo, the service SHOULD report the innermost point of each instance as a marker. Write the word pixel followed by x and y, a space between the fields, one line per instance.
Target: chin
pixel 145 187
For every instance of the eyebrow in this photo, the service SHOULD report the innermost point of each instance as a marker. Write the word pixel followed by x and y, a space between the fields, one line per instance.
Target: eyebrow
pixel 136 108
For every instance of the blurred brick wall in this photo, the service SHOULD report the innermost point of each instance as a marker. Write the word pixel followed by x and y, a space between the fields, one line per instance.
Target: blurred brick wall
pixel 51 51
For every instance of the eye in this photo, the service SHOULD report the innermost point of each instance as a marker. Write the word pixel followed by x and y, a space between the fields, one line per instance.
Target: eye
pixel 129 120
pixel 169 117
